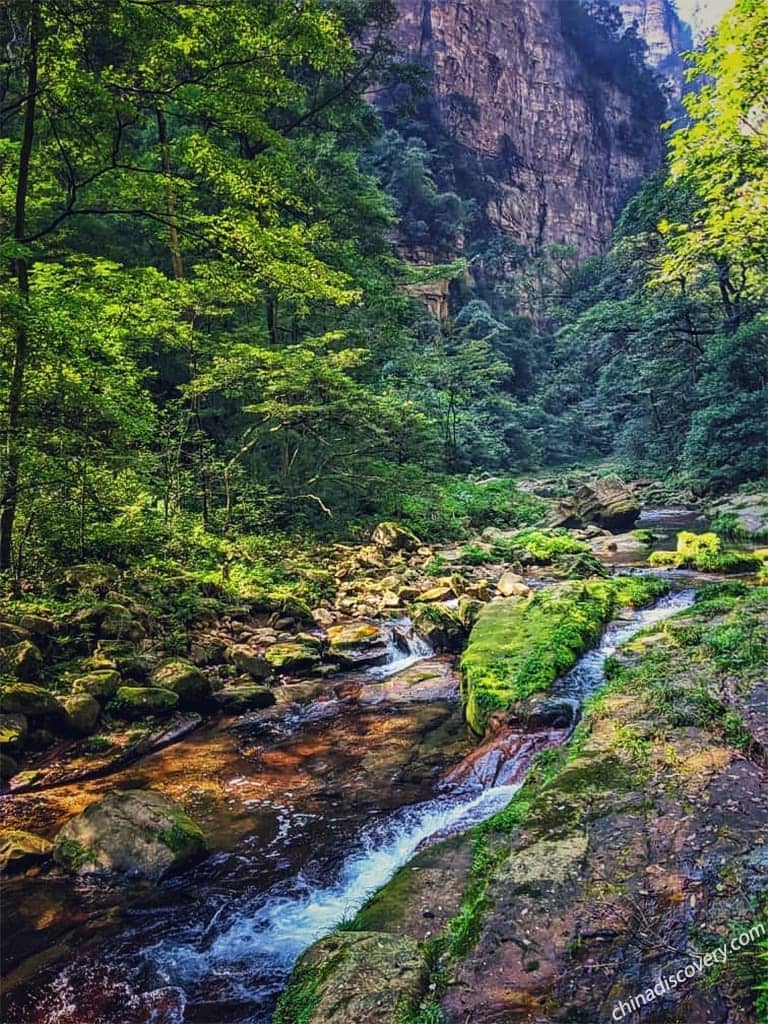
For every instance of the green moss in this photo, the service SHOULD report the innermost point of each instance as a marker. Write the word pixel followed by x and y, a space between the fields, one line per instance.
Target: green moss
pixel 518 647
pixel 182 835
pixel 299 1001
pixel 71 854
pixel 705 553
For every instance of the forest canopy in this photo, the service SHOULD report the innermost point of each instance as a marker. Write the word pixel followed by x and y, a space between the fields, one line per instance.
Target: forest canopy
pixel 209 320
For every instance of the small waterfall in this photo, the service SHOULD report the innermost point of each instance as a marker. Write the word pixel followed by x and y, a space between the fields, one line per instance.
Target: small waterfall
pixel 406 648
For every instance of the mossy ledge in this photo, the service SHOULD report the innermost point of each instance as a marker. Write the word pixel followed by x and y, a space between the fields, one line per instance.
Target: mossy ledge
pixel 520 646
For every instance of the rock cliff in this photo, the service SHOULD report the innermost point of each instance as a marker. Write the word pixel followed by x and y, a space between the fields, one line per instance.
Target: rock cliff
pixel 562 127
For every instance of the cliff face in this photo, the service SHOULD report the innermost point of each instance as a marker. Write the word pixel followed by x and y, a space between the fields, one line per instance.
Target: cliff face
pixel 665 35
pixel 562 143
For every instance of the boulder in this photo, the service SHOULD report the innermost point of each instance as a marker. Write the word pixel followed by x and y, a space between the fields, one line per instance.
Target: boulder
pixel 607 502
pixel 353 634
pixel 119 623
pixel 136 701
pixel 101 684
pixel 28 699
pixel 8 766
pixel 513 585
pixel 478 590
pixel 10 633
pixel 389 536
pixel 292 657
pixel 182 678
pixel 90 576
pixel 139 833
pixel 81 712
pixel 440 626
pixel 19 849
pixel 22 660
pixel 244 697
pixel 362 978
pixel 39 625
pixel 13 732
pixel 247 659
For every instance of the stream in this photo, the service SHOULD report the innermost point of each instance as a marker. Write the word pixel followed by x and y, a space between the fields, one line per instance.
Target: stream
pixel 315 809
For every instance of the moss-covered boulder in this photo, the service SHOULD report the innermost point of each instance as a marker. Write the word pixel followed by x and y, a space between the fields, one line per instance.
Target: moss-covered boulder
pixel 13 732
pixel 389 536
pixel 19 849
pixel 244 697
pixel 136 701
pixel 184 679
pixel 28 699
pixel 355 978
pixel 249 660
pixel 39 625
pixel 90 576
pixel 292 657
pixel 101 683
pixel 441 626
pixel 138 833
pixel 22 661
pixel 81 713
pixel 520 646
pixel 353 634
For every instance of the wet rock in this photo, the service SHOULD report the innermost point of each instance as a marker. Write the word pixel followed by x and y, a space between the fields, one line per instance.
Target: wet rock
pixel 8 766
pixel 478 590
pixel 136 701
pixel 244 697
pixel 28 699
pixel 19 849
pixel 363 977
pixel 101 684
pixel 184 679
pixel 81 712
pixel 389 536
pixel 133 832
pixel 292 657
pixel 407 594
pixel 13 732
pixel 748 512
pixel 549 713
pixel 440 626
pixel 23 661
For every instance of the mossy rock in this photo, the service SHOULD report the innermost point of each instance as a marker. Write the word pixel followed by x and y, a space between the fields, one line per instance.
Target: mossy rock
pixel 440 625
pixel 39 625
pixel 19 849
pixel 136 701
pixel 520 646
pixel 11 634
pixel 184 679
pixel 353 634
pixel 389 536
pixel 13 732
pixel 138 833
pixel 292 657
pixel 81 713
pixel 247 659
pixel 101 684
pixel 22 661
pixel 28 699
pixel 354 977
pixel 88 577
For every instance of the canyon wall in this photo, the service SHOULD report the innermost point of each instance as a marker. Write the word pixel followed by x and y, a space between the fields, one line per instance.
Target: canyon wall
pixel 560 139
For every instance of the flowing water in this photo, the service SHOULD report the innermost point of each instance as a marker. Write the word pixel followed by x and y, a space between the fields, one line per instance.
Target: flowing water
pixel 312 824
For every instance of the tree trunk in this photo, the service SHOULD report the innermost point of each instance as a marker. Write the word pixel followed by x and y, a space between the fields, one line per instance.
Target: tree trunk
pixel 12 442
